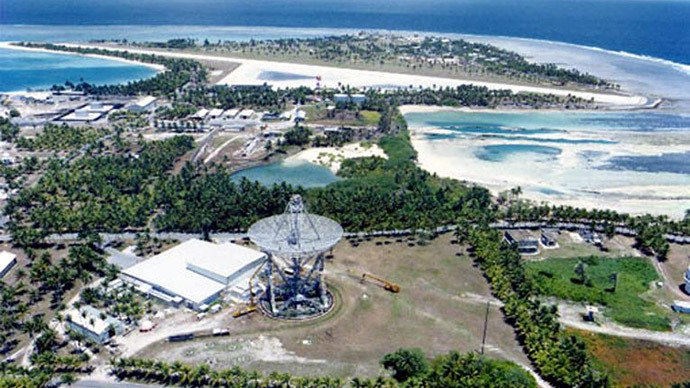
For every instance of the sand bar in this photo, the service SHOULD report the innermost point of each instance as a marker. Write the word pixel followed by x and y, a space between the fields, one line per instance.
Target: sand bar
pixel 332 157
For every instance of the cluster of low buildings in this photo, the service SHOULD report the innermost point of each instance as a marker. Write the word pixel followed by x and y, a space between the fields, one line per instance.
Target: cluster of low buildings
pixel 530 242
pixel 89 112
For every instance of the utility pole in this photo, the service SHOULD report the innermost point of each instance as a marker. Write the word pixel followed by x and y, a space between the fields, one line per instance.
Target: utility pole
pixel 486 324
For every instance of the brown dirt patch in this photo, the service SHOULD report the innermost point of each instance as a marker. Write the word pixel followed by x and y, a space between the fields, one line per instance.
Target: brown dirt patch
pixel 635 362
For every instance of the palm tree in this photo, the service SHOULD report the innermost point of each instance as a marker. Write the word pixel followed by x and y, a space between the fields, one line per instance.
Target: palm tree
pixel 34 326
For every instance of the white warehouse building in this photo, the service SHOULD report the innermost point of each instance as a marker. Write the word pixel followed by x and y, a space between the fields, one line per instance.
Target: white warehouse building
pixel 144 104
pixel 194 273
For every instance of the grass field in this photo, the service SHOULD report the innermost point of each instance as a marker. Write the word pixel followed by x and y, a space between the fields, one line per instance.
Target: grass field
pixel 626 305
pixel 440 308
pixel 318 114
pixel 634 362
pixel 571 246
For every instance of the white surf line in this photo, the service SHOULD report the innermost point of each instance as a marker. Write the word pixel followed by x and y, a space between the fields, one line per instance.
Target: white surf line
pixel 249 70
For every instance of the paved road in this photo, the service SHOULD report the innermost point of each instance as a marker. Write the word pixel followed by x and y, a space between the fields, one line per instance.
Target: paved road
pixel 108 237
pixel 86 383
pixel 570 316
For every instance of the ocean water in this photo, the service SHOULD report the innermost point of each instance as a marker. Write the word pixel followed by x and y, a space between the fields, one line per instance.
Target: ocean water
pixel 294 172
pixel 22 70
pixel 656 28
pixel 641 44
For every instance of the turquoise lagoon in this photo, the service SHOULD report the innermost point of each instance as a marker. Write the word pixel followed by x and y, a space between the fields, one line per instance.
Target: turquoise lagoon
pixel 291 171
pixel 22 70
pixel 630 161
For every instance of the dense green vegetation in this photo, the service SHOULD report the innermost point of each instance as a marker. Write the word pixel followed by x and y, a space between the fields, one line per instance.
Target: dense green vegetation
pixel 198 200
pixel 97 193
pixel 448 56
pixel 8 131
pixel 17 377
pixel 62 138
pixel 298 136
pixel 559 357
pixel 469 96
pixel 410 368
pixel 615 283
pixel 447 371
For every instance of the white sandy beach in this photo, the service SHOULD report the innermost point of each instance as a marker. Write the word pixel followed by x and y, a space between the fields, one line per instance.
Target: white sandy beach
pixel 332 157
pixel 560 179
pixel 250 72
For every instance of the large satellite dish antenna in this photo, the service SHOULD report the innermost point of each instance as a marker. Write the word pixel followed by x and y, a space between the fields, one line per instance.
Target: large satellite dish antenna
pixel 295 243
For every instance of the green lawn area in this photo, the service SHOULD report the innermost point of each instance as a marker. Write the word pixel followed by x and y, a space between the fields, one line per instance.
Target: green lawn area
pixel 370 117
pixel 317 114
pixel 625 305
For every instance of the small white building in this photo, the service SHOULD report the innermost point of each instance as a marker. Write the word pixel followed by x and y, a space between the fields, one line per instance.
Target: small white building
pixel 300 115
pixel 687 281
pixel 200 114
pixel 245 114
pixel 93 323
pixel 214 113
pixel 144 104
pixel 7 261
pixel 195 272
pixel 231 113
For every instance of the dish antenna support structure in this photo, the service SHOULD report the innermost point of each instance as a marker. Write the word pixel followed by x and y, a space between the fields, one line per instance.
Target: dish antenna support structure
pixel 295 243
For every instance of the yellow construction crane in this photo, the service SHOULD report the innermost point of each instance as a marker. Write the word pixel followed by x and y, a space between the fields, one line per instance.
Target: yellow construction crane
pixel 388 286
pixel 251 307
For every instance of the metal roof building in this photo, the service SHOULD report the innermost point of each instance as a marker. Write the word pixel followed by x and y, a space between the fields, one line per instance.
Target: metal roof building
pixel 195 271
pixel 143 104
pixel 7 261
pixel 88 321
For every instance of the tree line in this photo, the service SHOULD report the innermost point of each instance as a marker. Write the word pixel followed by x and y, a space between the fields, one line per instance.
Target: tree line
pixel 559 357
pixel 61 138
pixel 409 368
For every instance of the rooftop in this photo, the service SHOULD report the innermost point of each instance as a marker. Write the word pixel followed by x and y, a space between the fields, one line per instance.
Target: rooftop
pixel 519 234
pixel 214 259
pixel 169 270
pixel 146 100
pixel 6 259
pixel 90 318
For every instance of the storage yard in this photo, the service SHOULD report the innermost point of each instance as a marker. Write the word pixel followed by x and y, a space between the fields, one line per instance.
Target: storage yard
pixel 441 307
